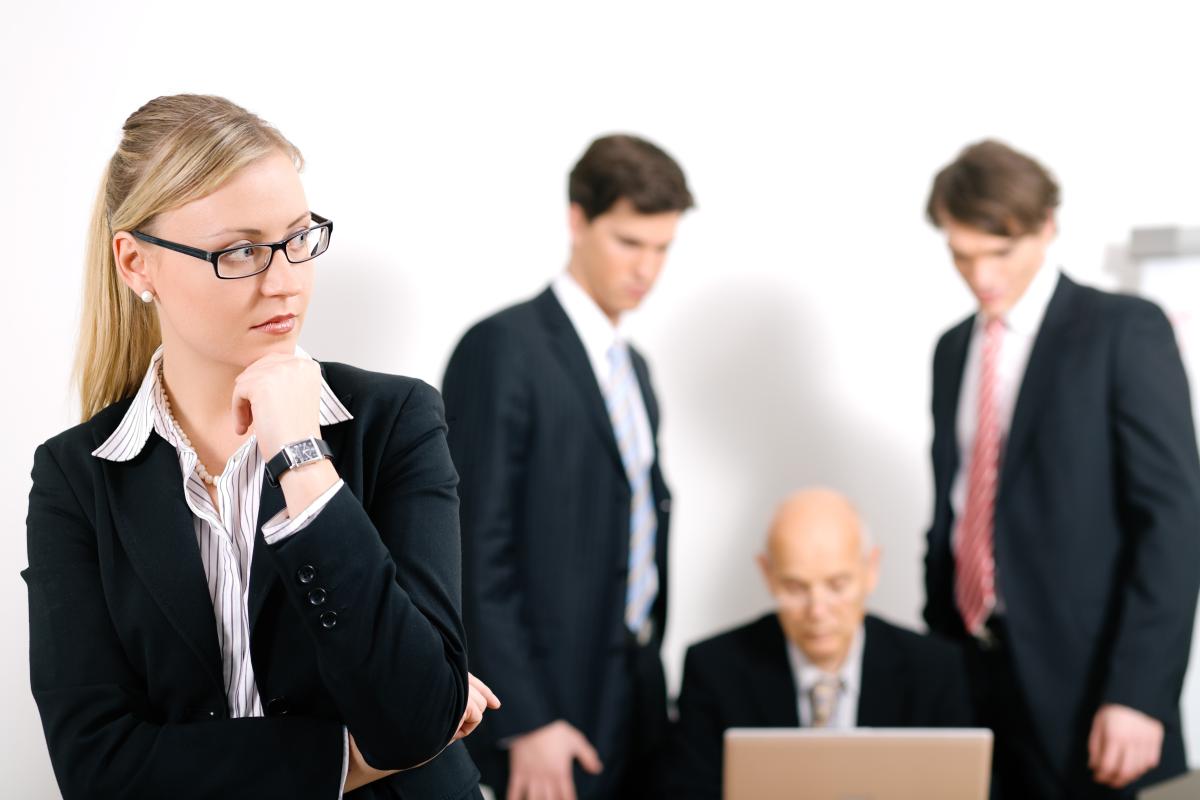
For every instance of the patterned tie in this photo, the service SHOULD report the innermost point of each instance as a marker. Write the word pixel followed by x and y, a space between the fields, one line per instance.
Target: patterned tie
pixel 642 583
pixel 823 697
pixel 975 559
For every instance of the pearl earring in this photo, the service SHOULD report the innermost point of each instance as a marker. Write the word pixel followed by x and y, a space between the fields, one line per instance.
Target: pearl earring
pixel 147 296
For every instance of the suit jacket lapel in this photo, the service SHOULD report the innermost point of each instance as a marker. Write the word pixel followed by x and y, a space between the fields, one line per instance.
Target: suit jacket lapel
pixel 643 379
pixel 881 685
pixel 568 348
pixel 948 391
pixel 157 530
pixel 1039 376
pixel 770 676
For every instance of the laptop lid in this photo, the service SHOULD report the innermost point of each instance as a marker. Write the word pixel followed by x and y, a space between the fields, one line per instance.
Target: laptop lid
pixel 1185 787
pixel 860 764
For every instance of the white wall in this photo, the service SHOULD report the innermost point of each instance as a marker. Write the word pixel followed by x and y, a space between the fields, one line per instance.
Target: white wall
pixel 792 332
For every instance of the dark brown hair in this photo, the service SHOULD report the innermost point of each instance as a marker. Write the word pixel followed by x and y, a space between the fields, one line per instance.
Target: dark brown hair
pixel 993 188
pixel 627 166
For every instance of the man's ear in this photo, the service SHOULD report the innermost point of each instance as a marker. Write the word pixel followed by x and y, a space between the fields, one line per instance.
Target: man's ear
pixel 872 567
pixel 131 263
pixel 577 221
pixel 1049 228
pixel 764 566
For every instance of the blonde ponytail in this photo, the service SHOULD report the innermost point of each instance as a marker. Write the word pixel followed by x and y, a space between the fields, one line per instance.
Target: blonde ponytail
pixel 174 150
pixel 118 333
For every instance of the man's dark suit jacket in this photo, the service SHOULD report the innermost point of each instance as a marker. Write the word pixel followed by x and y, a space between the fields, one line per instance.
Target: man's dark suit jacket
pixel 1097 520
pixel 545 513
pixel 124 660
pixel 743 679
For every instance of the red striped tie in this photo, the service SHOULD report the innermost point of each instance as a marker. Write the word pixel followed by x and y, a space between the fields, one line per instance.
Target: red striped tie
pixel 975 559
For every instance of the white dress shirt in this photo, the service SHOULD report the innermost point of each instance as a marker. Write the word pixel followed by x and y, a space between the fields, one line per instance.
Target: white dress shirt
pixel 805 676
pixel 225 532
pixel 599 335
pixel 1021 325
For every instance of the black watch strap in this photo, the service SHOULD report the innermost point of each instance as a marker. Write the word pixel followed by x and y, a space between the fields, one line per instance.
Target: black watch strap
pixel 297 454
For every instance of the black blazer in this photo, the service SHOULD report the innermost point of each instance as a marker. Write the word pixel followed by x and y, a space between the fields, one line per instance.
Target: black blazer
pixel 743 679
pixel 124 659
pixel 545 513
pixel 1097 522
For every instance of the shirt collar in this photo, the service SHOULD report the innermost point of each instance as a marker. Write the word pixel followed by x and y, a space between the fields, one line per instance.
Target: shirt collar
pixel 595 329
pixel 134 430
pixel 1025 317
pixel 806 674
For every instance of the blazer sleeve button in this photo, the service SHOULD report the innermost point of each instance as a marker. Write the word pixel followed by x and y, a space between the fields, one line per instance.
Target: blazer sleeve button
pixel 317 597
pixel 306 574
pixel 329 620
pixel 278 707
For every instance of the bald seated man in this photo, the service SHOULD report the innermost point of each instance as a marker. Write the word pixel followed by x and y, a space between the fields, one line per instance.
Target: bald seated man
pixel 820 660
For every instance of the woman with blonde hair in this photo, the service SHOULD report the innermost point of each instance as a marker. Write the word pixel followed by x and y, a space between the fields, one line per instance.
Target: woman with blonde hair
pixel 243 565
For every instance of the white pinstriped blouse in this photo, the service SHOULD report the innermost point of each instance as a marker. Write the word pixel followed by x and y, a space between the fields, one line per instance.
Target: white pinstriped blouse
pixel 225 533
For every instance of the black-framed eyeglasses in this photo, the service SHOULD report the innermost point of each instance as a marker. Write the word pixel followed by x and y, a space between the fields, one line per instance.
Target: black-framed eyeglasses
pixel 247 260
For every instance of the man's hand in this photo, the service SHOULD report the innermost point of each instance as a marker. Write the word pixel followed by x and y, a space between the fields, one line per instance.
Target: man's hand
pixel 541 762
pixel 1123 746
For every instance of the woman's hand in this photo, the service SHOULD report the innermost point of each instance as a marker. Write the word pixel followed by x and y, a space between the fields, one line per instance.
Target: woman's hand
pixel 359 772
pixel 280 395
pixel 479 699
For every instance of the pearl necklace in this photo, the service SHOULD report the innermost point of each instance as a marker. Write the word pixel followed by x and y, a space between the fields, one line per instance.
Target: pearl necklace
pixel 201 471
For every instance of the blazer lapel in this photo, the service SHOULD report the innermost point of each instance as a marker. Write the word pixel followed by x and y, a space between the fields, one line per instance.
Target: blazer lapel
pixel 157 530
pixel 1039 376
pixel 263 577
pixel 770 677
pixel 948 391
pixel 643 379
pixel 568 348
pixel 881 685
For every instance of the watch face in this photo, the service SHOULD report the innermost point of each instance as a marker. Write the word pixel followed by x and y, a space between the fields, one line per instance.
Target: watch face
pixel 300 452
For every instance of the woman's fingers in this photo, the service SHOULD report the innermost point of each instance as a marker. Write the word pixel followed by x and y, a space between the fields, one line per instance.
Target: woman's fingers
pixel 472 715
pixel 280 396
pixel 492 700
pixel 479 699
pixel 243 416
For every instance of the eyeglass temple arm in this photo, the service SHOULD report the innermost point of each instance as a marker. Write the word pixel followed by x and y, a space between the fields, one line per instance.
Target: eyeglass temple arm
pixel 179 248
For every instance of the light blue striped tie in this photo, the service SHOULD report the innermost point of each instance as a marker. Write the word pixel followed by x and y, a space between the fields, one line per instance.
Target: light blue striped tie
pixel 642 583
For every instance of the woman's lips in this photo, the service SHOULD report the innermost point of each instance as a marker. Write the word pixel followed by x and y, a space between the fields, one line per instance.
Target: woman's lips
pixel 277 326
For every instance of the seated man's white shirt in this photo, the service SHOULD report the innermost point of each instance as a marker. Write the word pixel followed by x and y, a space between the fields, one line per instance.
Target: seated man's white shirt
pixel 805 675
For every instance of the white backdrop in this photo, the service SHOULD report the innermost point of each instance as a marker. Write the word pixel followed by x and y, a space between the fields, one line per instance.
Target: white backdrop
pixel 791 334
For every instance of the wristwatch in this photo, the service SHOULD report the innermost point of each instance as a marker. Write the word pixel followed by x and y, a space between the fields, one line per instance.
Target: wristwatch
pixel 297 454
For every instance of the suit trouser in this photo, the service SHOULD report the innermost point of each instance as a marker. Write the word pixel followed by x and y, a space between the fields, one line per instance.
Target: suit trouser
pixel 1021 770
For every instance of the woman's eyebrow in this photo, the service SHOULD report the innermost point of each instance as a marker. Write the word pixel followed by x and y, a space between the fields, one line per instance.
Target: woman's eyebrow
pixel 256 231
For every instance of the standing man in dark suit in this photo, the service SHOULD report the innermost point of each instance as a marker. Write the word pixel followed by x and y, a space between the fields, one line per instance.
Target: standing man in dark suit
pixel 1065 544
pixel 820 660
pixel 553 428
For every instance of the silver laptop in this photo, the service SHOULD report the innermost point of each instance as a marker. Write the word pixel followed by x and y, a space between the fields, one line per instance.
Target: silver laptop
pixel 860 764
pixel 1185 787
